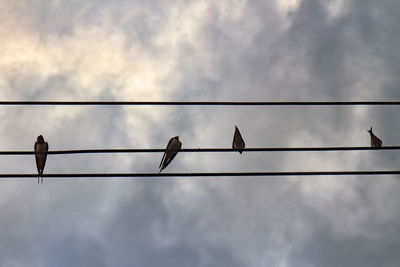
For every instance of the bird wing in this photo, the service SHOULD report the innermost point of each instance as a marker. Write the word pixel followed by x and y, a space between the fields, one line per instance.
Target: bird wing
pixel 46 147
pixel 41 155
pixel 170 155
pixel 375 141
pixel 35 147
pixel 165 154
pixel 238 142
pixel 379 142
pixel 38 158
pixel 163 157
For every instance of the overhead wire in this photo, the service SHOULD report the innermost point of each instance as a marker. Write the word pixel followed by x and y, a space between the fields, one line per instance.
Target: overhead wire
pixel 207 150
pixel 200 103
pixel 197 174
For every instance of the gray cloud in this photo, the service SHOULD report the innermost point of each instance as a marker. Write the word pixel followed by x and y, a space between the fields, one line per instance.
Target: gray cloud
pixel 107 50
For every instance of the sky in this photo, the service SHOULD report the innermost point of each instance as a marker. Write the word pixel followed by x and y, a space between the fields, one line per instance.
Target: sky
pixel 200 50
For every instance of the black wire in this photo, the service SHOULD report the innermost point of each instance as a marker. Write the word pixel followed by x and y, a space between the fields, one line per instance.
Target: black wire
pixel 197 103
pixel 198 174
pixel 155 150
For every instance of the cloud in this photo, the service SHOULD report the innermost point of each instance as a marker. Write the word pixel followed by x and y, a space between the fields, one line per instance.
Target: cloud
pixel 240 50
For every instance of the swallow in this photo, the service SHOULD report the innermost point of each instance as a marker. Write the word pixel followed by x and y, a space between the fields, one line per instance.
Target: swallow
pixel 172 149
pixel 41 147
pixel 375 141
pixel 238 142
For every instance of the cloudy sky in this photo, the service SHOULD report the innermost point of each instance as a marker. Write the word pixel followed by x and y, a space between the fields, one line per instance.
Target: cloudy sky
pixel 200 50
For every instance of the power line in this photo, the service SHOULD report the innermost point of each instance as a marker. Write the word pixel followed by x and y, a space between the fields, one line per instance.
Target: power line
pixel 198 103
pixel 199 174
pixel 210 150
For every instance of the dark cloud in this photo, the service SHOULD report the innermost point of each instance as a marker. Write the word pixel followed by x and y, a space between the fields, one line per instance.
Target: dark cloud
pixel 216 51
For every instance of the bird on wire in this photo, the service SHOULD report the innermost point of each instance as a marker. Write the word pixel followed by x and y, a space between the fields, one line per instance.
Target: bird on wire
pixel 375 141
pixel 41 147
pixel 172 149
pixel 238 142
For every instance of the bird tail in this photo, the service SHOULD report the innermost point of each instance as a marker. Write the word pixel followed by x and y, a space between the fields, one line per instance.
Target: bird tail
pixel 40 176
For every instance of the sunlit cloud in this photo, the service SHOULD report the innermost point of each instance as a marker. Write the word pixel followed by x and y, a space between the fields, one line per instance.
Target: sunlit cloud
pixel 198 50
pixel 285 6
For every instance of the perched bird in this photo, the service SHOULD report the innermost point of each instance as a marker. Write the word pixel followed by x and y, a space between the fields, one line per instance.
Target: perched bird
pixel 238 142
pixel 172 149
pixel 41 148
pixel 375 141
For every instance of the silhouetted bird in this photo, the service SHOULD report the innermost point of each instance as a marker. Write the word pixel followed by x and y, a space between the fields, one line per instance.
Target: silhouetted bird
pixel 41 148
pixel 375 141
pixel 172 149
pixel 238 142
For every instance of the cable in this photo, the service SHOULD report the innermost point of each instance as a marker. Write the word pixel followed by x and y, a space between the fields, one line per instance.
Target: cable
pixel 198 174
pixel 155 150
pixel 198 103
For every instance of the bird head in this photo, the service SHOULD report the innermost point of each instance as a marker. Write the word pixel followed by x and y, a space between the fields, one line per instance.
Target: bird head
pixel 370 130
pixel 40 139
pixel 176 137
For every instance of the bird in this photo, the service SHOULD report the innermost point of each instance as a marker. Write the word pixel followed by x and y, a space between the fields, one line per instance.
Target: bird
pixel 375 141
pixel 238 142
pixel 172 149
pixel 41 147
